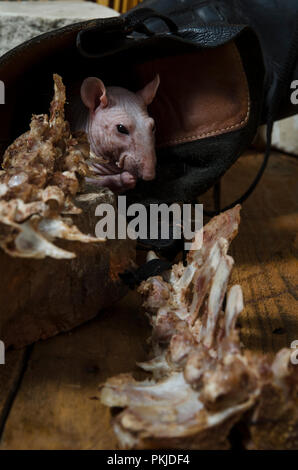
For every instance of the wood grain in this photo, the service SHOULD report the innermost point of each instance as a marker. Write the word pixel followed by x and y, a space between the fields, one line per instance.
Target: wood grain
pixel 56 406
pixel 265 250
pixel 42 297
pixel 10 375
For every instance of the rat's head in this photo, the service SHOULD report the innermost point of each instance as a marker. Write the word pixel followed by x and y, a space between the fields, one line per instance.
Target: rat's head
pixel 120 128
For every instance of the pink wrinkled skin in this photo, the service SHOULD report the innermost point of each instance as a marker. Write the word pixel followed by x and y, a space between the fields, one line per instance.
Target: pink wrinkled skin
pixel 118 159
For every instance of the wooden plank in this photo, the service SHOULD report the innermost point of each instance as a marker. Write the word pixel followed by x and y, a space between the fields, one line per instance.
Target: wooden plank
pixel 42 297
pixel 10 375
pixel 265 250
pixel 57 405
pixel 104 2
pixel 117 5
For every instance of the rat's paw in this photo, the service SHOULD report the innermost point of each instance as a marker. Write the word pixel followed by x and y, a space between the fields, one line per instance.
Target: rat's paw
pixel 128 180
pixel 98 169
pixel 94 181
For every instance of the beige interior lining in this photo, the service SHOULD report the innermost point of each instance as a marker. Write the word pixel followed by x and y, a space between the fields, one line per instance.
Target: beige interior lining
pixel 201 94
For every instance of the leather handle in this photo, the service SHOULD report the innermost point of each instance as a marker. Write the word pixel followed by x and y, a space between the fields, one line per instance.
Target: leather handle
pixel 88 41
pixel 135 20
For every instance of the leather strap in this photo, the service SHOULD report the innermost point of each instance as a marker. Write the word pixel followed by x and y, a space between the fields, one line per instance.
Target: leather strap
pixel 135 21
pixel 88 40
pixel 276 92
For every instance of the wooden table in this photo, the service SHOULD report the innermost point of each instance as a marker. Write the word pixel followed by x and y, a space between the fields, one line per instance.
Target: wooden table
pixel 48 392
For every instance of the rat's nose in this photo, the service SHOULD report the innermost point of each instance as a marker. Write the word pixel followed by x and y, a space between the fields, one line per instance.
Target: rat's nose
pixel 148 169
pixel 150 125
pixel 148 176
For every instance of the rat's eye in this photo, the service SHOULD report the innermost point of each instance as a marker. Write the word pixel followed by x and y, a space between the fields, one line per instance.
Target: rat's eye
pixel 122 129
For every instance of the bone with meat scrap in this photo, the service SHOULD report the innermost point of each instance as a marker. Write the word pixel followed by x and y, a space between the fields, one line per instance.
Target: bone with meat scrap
pixel 202 384
pixel 43 171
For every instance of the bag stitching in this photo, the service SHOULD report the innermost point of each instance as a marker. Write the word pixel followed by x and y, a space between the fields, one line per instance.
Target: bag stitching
pixel 217 131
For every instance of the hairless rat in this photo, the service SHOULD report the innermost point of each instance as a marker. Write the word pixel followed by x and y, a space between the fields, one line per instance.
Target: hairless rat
pixel 120 132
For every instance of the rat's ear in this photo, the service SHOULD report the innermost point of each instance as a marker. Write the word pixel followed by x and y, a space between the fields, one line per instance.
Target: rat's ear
pixel 149 91
pixel 93 93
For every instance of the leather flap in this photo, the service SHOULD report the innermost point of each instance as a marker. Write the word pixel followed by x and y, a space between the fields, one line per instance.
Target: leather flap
pixel 201 94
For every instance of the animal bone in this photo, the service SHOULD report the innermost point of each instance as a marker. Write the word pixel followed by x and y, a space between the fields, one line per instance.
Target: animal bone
pixel 201 383
pixel 43 170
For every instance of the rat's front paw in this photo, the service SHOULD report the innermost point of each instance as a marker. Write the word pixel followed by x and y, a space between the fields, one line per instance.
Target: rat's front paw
pixel 128 180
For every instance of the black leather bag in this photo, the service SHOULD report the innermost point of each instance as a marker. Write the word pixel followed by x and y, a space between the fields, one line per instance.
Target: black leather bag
pixel 214 91
pixel 209 102
pixel 207 109
pixel 276 26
